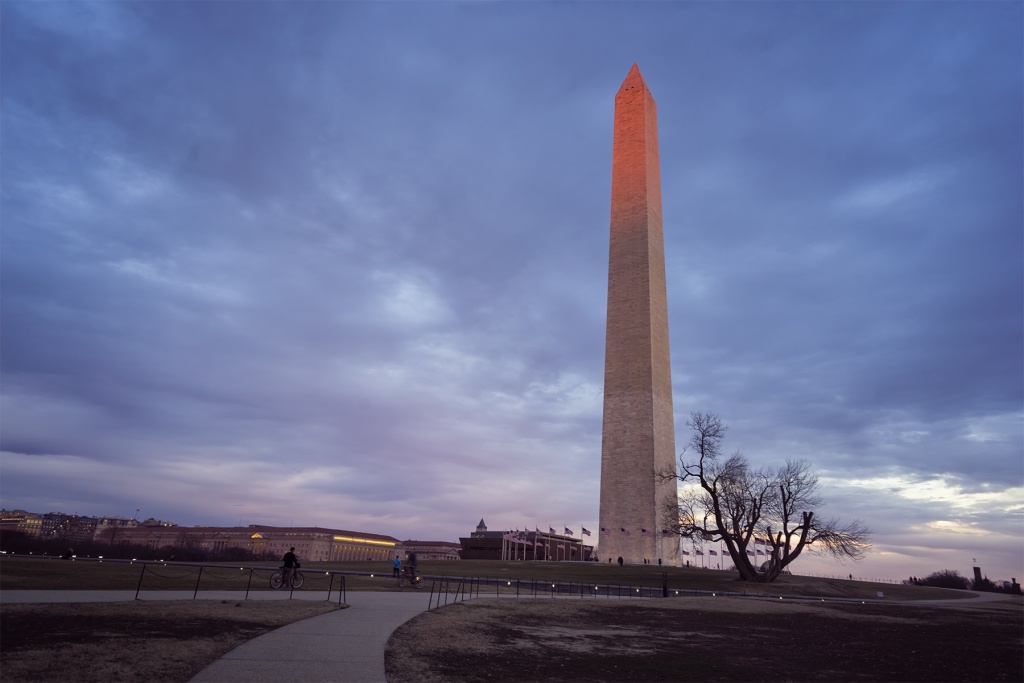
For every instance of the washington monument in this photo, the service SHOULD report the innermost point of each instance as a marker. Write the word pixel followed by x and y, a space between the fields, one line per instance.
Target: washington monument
pixel 638 436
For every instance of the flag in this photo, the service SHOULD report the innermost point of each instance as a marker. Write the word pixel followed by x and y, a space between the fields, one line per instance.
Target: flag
pixel 758 541
pixel 750 552
pixel 686 552
pixel 760 552
pixel 713 552
pixel 561 546
pixel 645 532
pixel 666 532
pixel 568 531
pixel 536 542
pixel 583 531
pixel 551 531
pixel 623 530
pixel 698 552
pixel 605 532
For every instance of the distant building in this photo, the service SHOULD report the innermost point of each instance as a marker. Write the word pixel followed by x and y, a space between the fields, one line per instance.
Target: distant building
pixel 433 550
pixel 535 545
pixel 20 521
pixel 313 544
pixel 70 529
pixel 108 529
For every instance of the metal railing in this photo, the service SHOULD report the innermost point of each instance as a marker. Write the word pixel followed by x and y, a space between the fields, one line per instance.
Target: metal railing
pixel 208 576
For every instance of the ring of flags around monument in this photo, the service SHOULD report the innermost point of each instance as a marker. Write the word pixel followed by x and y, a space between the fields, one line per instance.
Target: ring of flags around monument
pixel 552 542
pixel 521 538
pixel 697 544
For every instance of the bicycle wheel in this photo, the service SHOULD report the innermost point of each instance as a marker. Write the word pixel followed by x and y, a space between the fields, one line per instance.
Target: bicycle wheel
pixel 276 580
pixel 296 580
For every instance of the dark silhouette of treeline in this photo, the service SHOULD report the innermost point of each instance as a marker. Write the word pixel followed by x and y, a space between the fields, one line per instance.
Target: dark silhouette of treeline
pixel 951 578
pixel 21 543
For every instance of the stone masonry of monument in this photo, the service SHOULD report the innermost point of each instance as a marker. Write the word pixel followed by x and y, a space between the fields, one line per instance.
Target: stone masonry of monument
pixel 638 434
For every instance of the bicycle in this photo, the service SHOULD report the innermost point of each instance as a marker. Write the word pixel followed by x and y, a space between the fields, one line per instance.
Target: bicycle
pixel 409 576
pixel 277 579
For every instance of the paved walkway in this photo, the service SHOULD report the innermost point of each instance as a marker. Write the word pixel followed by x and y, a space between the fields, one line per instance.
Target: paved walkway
pixel 345 646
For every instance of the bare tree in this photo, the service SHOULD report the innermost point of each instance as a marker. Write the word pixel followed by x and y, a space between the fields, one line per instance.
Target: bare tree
pixel 727 500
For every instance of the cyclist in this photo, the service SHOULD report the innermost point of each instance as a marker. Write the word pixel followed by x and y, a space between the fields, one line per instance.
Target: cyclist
pixel 291 563
pixel 411 561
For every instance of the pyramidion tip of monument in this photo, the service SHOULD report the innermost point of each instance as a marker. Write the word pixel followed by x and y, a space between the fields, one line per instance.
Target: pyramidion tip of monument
pixel 634 80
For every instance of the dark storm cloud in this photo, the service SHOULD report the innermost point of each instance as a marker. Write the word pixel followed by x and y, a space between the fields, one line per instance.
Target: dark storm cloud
pixel 355 254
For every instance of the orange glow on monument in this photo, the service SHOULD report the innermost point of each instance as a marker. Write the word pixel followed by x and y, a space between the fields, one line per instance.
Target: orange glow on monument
pixel 638 433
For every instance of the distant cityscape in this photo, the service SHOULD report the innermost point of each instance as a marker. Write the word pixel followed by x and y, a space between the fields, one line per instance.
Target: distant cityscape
pixel 60 533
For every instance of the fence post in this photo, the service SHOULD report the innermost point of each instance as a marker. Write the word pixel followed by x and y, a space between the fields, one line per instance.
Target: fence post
pixel 198 579
pixel 139 587
pixel 247 585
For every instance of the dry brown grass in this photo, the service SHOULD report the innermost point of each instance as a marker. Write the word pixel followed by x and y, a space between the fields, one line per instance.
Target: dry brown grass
pixel 134 641
pixel 706 639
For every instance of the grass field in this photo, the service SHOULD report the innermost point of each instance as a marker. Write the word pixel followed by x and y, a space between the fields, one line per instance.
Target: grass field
pixel 34 573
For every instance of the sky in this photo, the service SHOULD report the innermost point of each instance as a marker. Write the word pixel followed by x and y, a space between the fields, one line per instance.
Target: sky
pixel 344 264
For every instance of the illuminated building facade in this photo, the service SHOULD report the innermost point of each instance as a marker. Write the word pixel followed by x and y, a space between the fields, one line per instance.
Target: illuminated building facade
pixel 312 544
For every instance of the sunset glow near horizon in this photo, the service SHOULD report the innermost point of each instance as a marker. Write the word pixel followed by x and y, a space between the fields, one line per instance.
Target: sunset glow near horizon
pixel 345 264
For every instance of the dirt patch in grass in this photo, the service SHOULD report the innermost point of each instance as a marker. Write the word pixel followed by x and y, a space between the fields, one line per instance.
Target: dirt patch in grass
pixel 133 641
pixel 706 639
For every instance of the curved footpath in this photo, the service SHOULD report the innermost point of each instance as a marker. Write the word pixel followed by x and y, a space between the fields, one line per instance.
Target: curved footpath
pixel 346 646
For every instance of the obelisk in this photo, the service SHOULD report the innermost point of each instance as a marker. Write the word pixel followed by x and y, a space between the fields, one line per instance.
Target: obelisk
pixel 638 435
